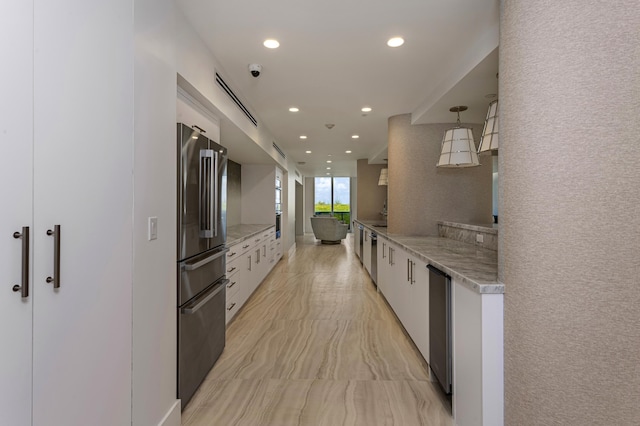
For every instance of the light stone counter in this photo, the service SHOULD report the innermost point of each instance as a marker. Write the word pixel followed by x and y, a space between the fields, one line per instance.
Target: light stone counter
pixel 474 267
pixel 238 233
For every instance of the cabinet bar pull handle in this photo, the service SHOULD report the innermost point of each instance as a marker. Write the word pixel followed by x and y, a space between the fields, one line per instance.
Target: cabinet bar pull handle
pixel 408 270
pixel 24 288
pixel 231 307
pixel 56 256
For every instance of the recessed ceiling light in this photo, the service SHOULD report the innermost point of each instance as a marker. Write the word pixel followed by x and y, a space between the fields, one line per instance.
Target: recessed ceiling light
pixel 328 174
pixel 395 42
pixel 308 152
pixel 271 43
pixel 328 168
pixel 347 152
pixel 366 109
pixel 293 109
pixel 329 161
pixel 355 137
pixel 303 137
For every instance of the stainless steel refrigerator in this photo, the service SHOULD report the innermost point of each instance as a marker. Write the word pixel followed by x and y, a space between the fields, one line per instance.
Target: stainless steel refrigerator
pixel 202 230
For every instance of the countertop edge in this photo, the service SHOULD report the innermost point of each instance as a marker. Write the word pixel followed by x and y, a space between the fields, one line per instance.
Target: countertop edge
pixel 479 287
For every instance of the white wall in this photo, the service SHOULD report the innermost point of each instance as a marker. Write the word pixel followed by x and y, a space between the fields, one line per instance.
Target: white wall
pixel 308 202
pixel 165 46
pixel 154 274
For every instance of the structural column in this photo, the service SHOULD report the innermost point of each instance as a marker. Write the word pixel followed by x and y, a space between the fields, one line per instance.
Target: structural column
pixel 570 211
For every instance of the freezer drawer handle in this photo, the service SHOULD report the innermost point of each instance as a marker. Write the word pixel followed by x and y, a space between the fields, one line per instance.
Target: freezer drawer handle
pixel 56 256
pixel 24 288
pixel 193 309
pixel 192 266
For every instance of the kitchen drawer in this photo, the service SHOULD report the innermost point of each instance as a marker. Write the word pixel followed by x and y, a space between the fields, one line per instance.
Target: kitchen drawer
pixel 232 307
pixel 233 285
pixel 232 268
pixel 234 252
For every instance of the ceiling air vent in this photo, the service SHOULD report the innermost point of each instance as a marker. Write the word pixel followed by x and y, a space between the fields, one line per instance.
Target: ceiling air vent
pixel 235 99
pixel 279 150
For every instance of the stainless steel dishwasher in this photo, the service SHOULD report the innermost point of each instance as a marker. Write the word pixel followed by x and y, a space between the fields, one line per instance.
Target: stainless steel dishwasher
pixel 374 257
pixel 361 232
pixel 440 355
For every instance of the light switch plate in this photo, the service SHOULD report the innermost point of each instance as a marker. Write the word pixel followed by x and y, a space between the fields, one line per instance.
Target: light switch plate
pixel 479 238
pixel 153 228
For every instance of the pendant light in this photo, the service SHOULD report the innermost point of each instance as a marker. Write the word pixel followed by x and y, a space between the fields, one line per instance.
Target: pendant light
pixel 489 140
pixel 383 180
pixel 458 147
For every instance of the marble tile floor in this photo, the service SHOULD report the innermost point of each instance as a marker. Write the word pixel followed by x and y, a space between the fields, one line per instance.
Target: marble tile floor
pixel 317 345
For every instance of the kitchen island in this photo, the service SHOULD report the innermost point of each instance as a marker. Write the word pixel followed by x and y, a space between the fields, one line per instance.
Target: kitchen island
pixel 476 313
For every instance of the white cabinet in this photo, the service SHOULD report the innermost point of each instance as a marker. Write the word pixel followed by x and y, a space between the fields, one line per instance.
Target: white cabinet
pixel 248 262
pixel 418 316
pixel 66 140
pixel 383 264
pixel 404 281
pixel 478 357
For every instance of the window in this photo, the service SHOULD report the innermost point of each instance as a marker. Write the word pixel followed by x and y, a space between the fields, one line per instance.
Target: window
pixel 333 197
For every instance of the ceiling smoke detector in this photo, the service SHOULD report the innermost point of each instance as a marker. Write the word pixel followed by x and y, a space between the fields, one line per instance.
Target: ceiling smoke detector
pixel 330 126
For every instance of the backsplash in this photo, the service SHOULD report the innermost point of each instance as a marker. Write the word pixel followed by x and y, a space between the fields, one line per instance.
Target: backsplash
pixel 468 233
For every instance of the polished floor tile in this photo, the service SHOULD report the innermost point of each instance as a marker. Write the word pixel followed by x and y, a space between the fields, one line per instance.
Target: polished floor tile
pixel 317 345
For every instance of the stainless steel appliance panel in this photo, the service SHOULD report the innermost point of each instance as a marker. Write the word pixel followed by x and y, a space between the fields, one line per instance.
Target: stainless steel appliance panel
pixel 201 331
pixel 199 272
pixel 374 257
pixel 202 193
pixel 440 348
pixel 190 144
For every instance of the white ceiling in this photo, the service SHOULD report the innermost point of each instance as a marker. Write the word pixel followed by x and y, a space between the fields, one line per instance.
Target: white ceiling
pixel 333 60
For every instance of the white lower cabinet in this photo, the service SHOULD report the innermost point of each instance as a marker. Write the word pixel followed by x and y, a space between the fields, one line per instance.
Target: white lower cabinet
pixel 248 262
pixel 404 281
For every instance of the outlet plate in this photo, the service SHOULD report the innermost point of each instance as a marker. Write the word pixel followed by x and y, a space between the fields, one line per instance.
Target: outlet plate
pixel 479 238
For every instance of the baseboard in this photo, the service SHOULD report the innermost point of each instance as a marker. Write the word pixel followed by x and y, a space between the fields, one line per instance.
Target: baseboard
pixel 173 416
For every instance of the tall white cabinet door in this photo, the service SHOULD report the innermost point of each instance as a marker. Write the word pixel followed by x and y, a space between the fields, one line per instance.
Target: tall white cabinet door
pixel 16 152
pixel 83 161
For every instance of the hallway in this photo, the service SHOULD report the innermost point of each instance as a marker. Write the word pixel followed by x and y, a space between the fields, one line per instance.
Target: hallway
pixel 317 345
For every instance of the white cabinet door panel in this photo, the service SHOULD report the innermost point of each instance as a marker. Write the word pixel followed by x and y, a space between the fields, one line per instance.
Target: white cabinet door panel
pixel 16 187
pixel 83 144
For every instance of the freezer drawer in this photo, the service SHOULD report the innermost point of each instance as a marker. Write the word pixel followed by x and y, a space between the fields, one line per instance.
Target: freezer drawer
pixel 201 338
pixel 199 272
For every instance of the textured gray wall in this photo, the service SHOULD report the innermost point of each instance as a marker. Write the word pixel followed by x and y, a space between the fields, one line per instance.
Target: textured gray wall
pixel 570 211
pixel 370 196
pixel 420 194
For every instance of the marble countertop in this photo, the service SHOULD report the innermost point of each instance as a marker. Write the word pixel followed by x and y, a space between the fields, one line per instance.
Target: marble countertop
pixel 474 267
pixel 238 233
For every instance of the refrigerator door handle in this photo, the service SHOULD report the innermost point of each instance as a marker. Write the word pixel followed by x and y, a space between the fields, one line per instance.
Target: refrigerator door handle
pixel 214 193
pixel 56 256
pixel 206 164
pixel 200 303
pixel 196 265
pixel 24 288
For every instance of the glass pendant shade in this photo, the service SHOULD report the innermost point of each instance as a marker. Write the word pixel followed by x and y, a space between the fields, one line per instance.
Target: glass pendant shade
pixel 384 177
pixel 458 149
pixel 489 141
